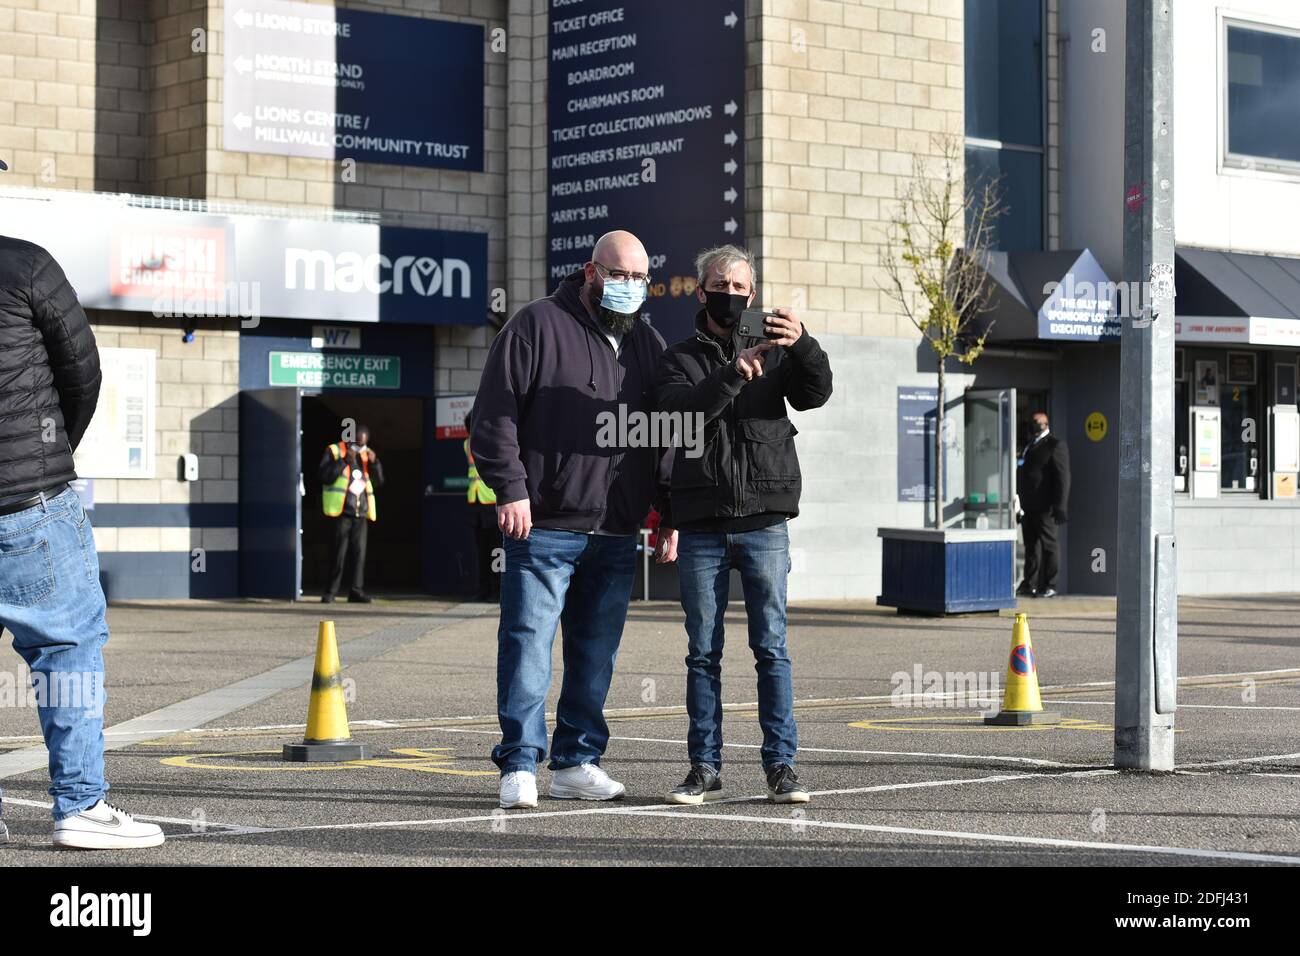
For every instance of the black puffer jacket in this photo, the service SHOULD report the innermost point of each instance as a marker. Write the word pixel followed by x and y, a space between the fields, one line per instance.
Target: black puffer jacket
pixel 748 465
pixel 49 370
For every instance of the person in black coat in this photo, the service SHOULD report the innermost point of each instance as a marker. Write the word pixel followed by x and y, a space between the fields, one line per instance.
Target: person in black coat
pixel 731 499
pixel 51 600
pixel 1043 483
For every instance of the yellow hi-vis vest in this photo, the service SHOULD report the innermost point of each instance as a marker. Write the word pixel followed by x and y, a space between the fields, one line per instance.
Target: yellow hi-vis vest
pixel 333 497
pixel 478 493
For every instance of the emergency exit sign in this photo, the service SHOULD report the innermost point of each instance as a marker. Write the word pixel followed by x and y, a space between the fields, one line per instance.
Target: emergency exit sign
pixel 332 370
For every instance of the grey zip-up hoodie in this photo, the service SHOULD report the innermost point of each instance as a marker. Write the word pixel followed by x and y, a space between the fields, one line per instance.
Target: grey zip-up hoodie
pixel 549 375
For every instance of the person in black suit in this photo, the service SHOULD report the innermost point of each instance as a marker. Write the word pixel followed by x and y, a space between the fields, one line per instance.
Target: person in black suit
pixel 1043 483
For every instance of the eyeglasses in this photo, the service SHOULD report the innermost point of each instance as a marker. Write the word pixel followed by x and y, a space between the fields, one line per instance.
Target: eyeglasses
pixel 618 275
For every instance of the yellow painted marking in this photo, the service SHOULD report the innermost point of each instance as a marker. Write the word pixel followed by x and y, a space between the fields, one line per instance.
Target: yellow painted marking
pixel 952 723
pixel 409 758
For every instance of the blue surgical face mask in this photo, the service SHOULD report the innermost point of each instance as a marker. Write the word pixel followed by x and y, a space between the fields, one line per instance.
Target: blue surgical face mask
pixel 623 297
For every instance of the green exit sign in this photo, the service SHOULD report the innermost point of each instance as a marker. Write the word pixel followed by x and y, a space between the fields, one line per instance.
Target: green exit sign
pixel 330 370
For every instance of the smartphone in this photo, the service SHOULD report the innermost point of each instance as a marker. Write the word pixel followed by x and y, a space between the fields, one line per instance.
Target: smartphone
pixel 752 328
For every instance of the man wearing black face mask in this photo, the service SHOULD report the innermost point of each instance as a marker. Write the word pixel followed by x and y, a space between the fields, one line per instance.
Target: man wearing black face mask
pixel 731 506
pixel 1043 483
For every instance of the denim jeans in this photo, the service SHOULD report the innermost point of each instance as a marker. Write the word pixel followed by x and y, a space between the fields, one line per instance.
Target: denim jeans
pixel 51 601
pixel 704 563
pixel 582 582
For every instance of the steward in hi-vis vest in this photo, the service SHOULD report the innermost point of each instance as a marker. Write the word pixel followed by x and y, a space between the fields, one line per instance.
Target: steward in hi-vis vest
pixel 352 487
pixel 479 493
pixel 483 519
pixel 349 474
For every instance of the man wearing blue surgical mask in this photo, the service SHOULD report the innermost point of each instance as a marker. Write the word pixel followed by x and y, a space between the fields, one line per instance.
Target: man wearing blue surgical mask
pixel 569 508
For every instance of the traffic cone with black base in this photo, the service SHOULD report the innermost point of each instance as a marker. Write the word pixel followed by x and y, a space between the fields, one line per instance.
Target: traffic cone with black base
pixel 328 737
pixel 1021 703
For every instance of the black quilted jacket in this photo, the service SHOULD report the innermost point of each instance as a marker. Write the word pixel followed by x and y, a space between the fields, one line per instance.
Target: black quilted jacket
pixel 49 370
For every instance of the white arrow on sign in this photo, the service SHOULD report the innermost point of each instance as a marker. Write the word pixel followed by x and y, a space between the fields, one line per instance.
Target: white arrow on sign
pixel 730 108
pixel 730 195
pixel 243 121
pixel 243 64
pixel 730 225
pixel 243 18
pixel 730 138
pixel 730 167
pixel 731 19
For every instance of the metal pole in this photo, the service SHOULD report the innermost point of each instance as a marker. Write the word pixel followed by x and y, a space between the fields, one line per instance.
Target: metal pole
pixel 1146 633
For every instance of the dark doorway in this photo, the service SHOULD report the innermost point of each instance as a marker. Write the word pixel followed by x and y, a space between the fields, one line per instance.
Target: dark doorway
pixel 394 548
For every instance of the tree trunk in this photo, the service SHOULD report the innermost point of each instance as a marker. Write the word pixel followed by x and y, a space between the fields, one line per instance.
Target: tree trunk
pixel 938 452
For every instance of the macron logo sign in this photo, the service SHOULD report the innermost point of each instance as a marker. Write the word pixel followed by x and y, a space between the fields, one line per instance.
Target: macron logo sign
pixel 311 269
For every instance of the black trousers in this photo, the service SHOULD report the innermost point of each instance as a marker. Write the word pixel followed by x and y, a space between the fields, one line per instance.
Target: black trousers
pixel 349 542
pixel 1041 550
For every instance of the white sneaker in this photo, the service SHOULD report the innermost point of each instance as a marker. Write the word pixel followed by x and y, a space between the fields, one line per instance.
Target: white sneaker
pixel 105 827
pixel 4 833
pixel 585 782
pixel 518 789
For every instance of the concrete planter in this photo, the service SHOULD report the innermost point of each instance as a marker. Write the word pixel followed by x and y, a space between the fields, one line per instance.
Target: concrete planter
pixel 947 571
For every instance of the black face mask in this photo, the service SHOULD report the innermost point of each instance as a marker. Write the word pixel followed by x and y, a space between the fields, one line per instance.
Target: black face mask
pixel 619 323
pixel 724 307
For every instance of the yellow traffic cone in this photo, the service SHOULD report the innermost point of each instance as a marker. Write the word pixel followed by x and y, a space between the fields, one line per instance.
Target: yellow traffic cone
pixel 328 737
pixel 1021 702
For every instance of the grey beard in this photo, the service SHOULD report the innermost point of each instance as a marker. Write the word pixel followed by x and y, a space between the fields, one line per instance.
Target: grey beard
pixel 618 323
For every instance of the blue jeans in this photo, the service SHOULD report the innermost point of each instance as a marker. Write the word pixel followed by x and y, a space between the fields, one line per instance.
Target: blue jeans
pixel 50 599
pixel 704 563
pixel 584 582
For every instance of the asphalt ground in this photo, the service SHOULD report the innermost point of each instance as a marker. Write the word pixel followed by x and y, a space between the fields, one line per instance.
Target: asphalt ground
pixel 202 695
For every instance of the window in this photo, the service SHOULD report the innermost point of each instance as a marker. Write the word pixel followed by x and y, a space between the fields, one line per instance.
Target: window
pixel 1231 381
pixel 1262 106
pixel 1004 113
pixel 1237 420
pixel 1020 178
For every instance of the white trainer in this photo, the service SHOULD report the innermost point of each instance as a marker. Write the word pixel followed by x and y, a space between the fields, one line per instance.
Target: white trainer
pixel 585 782
pixel 105 827
pixel 4 832
pixel 518 789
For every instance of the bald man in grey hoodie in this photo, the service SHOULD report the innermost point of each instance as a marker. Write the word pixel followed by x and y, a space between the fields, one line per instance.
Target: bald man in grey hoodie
pixel 569 508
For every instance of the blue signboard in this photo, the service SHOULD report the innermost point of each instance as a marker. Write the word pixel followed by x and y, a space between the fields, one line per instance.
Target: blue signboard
pixel 1082 306
pixel 916 423
pixel 305 79
pixel 647 134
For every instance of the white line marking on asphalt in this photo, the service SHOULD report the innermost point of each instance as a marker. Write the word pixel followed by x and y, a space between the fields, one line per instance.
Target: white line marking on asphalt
pixel 1185 677
pixel 687 813
pixel 183 821
pixel 984 837
pixel 1181 706
pixel 387 824
pixel 1237 760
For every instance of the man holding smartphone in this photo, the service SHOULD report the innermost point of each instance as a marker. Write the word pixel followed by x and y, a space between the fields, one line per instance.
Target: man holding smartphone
pixel 730 506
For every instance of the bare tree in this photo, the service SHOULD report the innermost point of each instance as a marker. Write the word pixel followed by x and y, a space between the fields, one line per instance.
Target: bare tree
pixel 937 246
